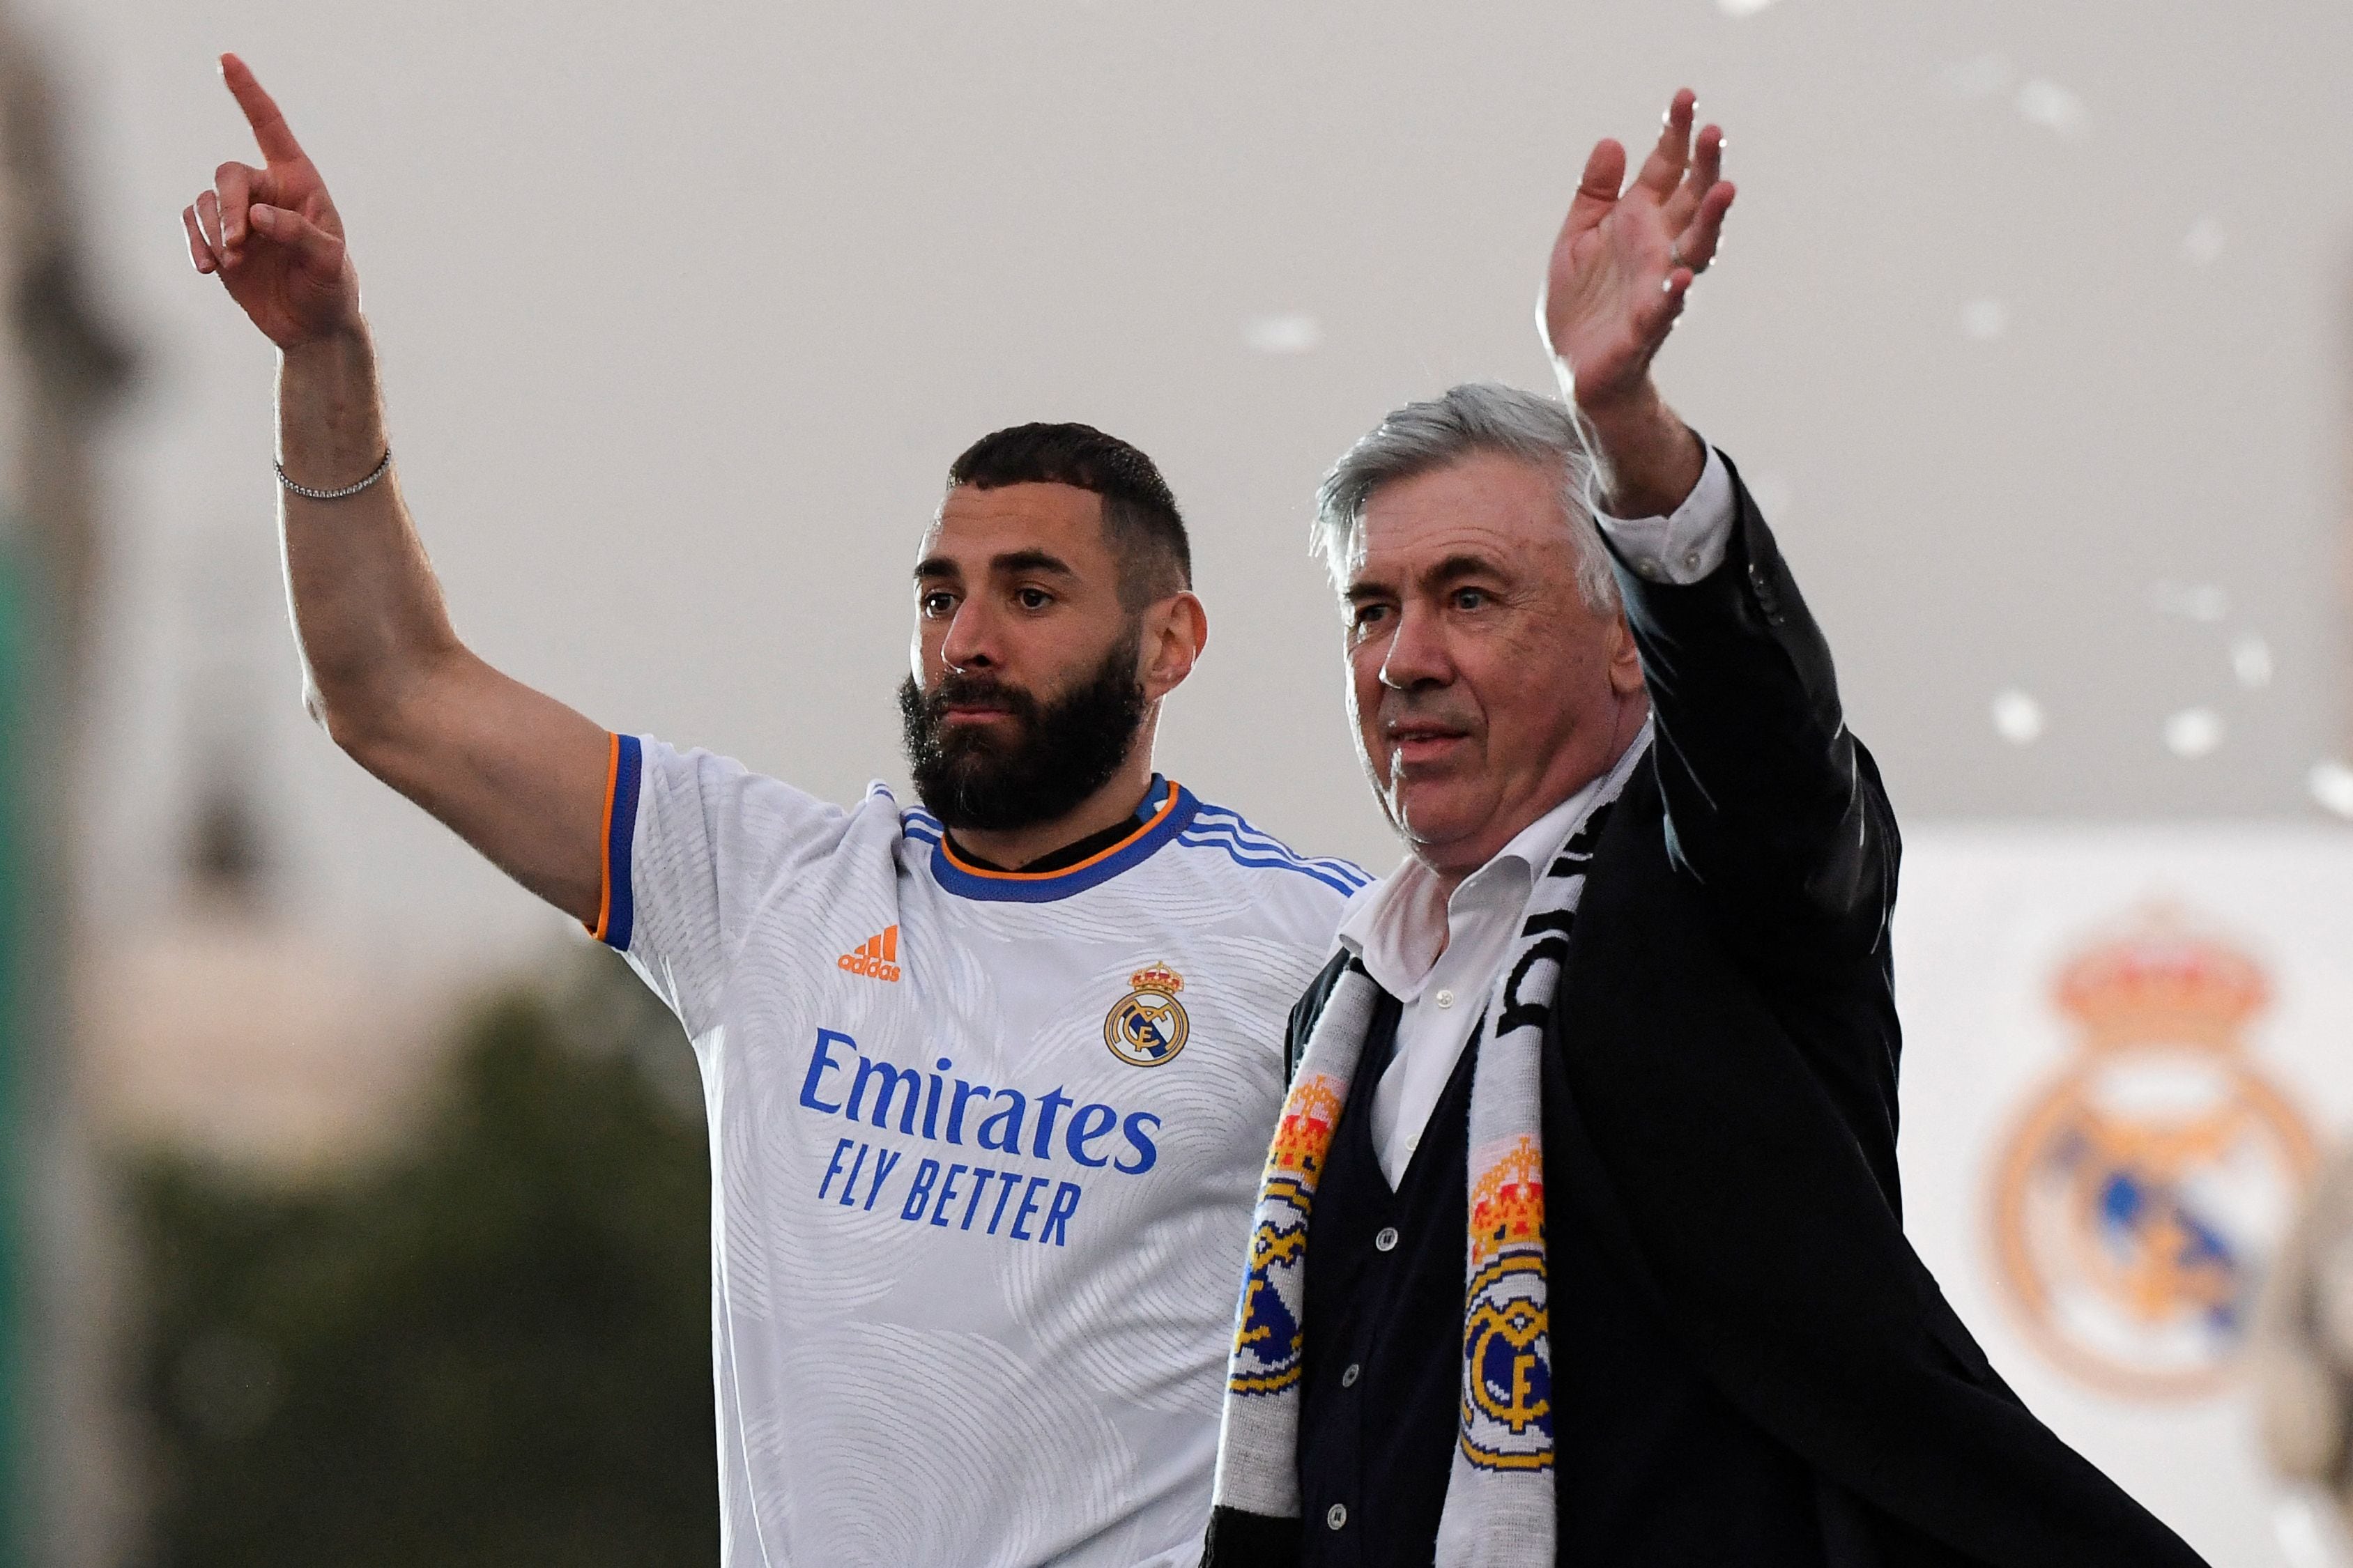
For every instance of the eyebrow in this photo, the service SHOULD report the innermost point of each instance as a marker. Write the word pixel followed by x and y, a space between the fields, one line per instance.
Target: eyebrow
pixel 1456 567
pixel 1452 569
pixel 1012 563
pixel 1015 562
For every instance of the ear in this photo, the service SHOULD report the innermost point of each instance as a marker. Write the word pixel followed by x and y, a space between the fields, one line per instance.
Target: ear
pixel 1176 630
pixel 1625 658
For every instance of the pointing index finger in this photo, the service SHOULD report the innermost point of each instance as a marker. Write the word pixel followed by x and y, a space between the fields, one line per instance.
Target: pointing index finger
pixel 269 127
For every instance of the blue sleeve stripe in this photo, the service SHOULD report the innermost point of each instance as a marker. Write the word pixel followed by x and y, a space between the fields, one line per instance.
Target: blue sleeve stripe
pixel 1219 817
pixel 1240 828
pixel 1335 881
pixel 615 920
pixel 1337 884
pixel 1261 844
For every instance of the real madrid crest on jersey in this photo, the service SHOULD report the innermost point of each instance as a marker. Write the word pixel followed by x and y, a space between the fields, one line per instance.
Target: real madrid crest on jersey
pixel 1148 1026
pixel 2146 1187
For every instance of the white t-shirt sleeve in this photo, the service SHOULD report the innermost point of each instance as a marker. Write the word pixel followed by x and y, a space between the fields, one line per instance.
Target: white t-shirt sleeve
pixel 694 845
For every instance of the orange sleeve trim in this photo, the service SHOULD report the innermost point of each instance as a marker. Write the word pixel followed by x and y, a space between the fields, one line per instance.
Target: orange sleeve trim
pixel 605 839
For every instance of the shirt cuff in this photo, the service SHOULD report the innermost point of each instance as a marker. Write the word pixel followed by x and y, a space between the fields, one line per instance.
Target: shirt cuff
pixel 1687 546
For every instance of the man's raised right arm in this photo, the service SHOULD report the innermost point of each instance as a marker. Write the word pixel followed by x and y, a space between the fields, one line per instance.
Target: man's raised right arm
pixel 517 774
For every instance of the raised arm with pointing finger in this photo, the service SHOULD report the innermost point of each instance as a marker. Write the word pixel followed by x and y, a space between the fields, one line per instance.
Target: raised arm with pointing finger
pixel 989 1077
pixel 516 773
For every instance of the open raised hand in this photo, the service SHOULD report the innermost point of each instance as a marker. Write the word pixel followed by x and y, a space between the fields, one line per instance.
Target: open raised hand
pixel 271 234
pixel 1624 260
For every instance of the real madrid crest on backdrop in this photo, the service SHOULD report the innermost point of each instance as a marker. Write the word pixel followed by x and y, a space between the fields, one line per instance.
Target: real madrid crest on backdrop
pixel 2121 1044
pixel 1147 1027
pixel 2145 1185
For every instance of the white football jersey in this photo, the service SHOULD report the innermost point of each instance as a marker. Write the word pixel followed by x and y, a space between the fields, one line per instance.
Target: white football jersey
pixel 984 1148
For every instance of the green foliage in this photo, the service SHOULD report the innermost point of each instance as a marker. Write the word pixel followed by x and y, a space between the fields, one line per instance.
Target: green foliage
pixel 491 1350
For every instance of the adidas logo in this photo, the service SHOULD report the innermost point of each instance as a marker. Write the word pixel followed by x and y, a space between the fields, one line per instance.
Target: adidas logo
pixel 877 957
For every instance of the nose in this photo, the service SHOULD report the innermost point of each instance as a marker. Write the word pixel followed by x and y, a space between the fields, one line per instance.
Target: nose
pixel 971 640
pixel 1416 653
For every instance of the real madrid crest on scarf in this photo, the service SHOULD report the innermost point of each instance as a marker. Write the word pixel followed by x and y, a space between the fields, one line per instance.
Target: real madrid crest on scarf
pixel 1507 1358
pixel 1267 1343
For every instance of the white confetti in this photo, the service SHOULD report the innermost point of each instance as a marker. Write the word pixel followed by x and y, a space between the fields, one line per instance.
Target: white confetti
pixel 2250 660
pixel 2047 104
pixel 2203 243
pixel 2331 784
pixel 1981 76
pixel 1292 334
pixel 2191 601
pixel 2193 732
pixel 2017 717
pixel 1741 8
pixel 2303 1539
pixel 1985 319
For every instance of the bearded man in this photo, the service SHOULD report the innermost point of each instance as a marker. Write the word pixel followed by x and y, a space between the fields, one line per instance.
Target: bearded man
pixel 989 1082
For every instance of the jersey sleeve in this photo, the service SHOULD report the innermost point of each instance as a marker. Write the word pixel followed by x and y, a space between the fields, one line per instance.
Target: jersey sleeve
pixel 694 845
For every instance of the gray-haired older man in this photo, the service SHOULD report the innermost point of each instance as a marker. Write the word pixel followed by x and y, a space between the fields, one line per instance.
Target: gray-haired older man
pixel 1594 1112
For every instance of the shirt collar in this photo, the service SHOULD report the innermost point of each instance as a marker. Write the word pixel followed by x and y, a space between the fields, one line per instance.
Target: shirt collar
pixel 1402 924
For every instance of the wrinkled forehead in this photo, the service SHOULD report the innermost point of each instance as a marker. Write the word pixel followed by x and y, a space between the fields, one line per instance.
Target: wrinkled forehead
pixel 1489 507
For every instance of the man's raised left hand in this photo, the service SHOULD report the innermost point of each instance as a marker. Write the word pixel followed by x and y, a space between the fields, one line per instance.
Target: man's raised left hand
pixel 1619 274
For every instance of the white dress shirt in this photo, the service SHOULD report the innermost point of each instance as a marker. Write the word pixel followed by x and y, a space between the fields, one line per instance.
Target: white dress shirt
pixel 1441 955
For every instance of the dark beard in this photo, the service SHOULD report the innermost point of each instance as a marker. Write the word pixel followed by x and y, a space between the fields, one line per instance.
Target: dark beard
pixel 1061 753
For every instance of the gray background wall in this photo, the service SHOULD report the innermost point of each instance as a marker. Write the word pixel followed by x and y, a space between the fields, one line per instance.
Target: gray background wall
pixel 2032 321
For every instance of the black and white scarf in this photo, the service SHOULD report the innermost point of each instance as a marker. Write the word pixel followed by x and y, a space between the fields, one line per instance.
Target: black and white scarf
pixel 1499 1495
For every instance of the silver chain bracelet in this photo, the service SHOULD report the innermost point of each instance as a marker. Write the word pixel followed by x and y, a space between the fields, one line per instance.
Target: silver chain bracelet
pixel 374 474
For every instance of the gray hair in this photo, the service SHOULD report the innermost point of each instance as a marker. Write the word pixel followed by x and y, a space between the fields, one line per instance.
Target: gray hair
pixel 1477 416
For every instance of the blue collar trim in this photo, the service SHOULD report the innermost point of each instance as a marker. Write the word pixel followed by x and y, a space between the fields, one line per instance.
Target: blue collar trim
pixel 1175 807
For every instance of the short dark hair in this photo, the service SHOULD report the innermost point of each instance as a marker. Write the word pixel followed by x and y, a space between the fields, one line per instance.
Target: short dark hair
pixel 1141 521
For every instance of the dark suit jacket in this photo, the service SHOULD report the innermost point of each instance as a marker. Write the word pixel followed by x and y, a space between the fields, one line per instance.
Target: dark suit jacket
pixel 1720 1101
